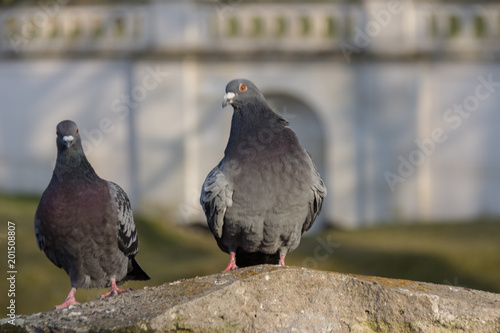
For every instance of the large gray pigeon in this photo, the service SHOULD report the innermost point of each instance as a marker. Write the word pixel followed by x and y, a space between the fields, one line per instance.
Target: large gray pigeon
pixel 266 191
pixel 84 224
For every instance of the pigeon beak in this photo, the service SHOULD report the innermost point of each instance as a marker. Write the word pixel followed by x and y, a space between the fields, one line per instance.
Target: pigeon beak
pixel 68 140
pixel 228 98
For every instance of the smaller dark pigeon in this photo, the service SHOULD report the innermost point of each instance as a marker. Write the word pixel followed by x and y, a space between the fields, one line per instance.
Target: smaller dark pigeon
pixel 84 224
pixel 265 192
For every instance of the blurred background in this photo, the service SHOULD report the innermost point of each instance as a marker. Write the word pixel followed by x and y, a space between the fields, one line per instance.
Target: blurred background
pixel 396 101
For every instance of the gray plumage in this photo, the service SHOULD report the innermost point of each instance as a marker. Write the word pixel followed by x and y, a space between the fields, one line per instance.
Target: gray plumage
pixel 83 223
pixel 266 191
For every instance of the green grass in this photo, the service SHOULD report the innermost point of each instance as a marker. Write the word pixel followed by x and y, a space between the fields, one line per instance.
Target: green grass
pixel 462 254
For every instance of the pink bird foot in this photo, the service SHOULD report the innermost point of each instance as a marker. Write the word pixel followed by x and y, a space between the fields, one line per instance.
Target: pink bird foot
pixel 114 290
pixel 282 260
pixel 70 300
pixel 232 263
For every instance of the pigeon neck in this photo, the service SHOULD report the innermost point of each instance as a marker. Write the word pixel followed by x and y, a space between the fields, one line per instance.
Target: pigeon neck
pixel 253 129
pixel 75 164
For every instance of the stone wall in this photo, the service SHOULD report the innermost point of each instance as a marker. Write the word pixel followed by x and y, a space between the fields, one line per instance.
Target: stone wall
pixel 276 299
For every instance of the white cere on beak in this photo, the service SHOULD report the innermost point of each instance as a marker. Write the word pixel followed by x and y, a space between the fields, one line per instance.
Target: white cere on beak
pixel 68 139
pixel 228 98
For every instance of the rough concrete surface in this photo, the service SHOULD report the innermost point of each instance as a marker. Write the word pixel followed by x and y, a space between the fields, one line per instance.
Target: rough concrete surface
pixel 277 299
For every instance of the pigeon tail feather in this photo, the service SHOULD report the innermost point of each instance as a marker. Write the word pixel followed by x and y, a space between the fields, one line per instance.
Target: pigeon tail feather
pixel 137 273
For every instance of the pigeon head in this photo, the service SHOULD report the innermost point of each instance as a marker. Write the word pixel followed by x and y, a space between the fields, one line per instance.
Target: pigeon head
pixel 70 155
pixel 68 138
pixel 240 91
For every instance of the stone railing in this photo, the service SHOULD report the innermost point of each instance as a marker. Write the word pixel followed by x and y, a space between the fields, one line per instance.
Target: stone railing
pixel 453 28
pixel 82 29
pixel 374 27
pixel 301 27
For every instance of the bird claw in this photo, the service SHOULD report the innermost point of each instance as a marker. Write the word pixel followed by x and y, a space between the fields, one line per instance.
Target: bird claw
pixel 114 291
pixel 232 262
pixel 282 260
pixel 69 301
pixel 230 267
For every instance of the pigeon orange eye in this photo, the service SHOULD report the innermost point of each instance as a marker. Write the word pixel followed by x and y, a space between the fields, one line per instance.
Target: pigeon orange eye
pixel 243 87
pixel 77 131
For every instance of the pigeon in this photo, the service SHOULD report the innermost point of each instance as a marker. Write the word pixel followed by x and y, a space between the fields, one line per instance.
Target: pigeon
pixel 266 191
pixel 84 224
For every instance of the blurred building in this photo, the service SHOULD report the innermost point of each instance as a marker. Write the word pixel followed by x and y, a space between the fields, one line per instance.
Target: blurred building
pixel 397 101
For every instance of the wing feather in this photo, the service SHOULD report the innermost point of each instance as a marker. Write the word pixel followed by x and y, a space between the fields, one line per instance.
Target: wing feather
pixel 216 197
pixel 319 193
pixel 127 233
pixel 42 244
